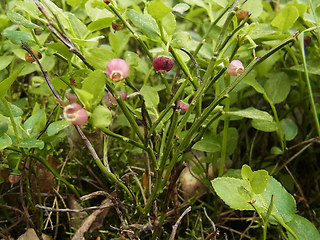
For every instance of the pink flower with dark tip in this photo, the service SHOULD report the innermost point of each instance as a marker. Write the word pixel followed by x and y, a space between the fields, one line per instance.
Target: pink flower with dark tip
pixel 235 68
pixel 75 114
pixel 162 64
pixel 182 106
pixel 117 69
pixel 122 94
pixel 71 96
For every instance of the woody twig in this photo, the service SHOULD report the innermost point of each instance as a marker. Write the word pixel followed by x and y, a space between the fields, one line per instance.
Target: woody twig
pixel 62 36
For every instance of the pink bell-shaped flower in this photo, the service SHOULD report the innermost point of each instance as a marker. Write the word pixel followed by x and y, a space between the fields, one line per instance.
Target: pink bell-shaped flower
pixel 235 68
pixel 76 114
pixel 182 106
pixel 117 69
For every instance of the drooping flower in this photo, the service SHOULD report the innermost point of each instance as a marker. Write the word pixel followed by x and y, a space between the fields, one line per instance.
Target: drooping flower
pixel 71 96
pixel 235 68
pixel 182 106
pixel 76 114
pixel 163 64
pixel 117 69
pixel 122 94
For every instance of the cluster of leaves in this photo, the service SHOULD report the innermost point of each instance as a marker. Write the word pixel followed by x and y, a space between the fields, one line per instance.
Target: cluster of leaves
pixel 260 117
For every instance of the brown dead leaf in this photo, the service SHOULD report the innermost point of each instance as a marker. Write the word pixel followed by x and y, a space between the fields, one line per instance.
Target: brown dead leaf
pixel 30 234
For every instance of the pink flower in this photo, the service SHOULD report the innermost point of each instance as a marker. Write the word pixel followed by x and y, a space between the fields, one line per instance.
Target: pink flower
pixel 122 94
pixel 117 69
pixel 163 64
pixel 182 106
pixel 71 96
pixel 76 114
pixel 235 68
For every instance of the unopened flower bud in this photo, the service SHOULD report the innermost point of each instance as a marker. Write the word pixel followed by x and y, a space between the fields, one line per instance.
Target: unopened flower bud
pixel 117 25
pixel 29 58
pixel 235 68
pixel 122 94
pixel 242 14
pixel 182 106
pixel 71 96
pixel 76 114
pixel 163 64
pixel 117 69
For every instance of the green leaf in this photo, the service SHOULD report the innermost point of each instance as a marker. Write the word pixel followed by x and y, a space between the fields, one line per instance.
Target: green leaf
pixel 28 7
pixel 250 79
pixel 252 113
pixel 99 57
pixel 95 84
pixel 30 143
pixel 181 39
pixel 119 40
pixel 15 111
pixel 5 141
pixel 3 128
pixel 59 14
pixel 101 117
pixel 84 97
pixel 57 126
pixel 36 123
pixel 6 83
pixel 100 24
pixel 286 18
pixel 181 7
pixel 284 205
pixel 95 13
pixel 20 20
pixel 289 129
pixel 246 172
pixel 260 181
pixel 277 87
pixel 146 24
pixel 263 125
pixel 150 96
pixel 5 61
pixel 79 28
pixel 303 228
pixel 169 23
pixel 234 192
pixel 208 143
pixel 158 9
pixel 255 7
pixel 17 36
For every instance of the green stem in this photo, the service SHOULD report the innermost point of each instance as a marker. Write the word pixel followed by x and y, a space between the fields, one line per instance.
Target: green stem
pixel 224 139
pixel 163 160
pixel 126 112
pixel 195 126
pixel 168 107
pixel 112 177
pixel 283 224
pixel 120 137
pixel 136 36
pixel 14 126
pixel 202 41
pixel 275 114
pixel 313 107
